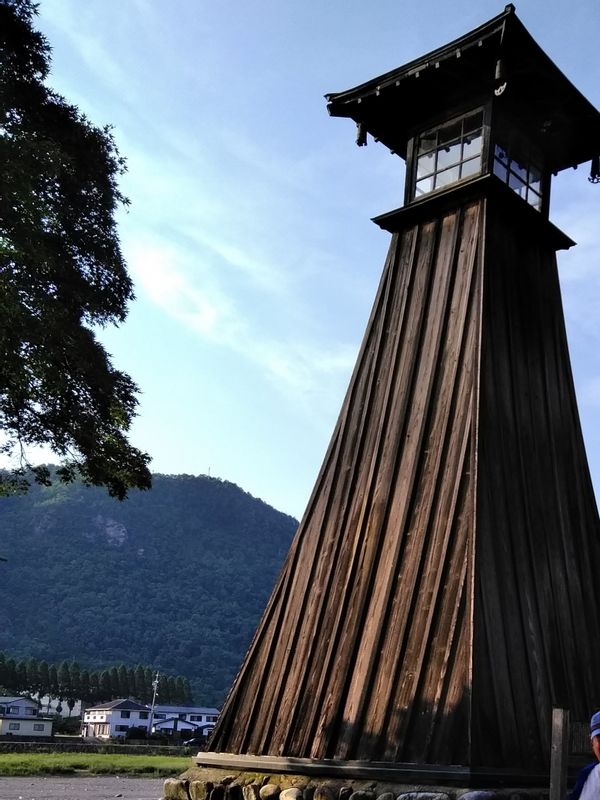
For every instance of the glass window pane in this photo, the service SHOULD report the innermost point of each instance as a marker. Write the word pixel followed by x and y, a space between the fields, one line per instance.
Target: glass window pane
pixel 472 122
pixel 471 167
pixel 425 165
pixel 534 198
pixel 501 154
pixel 424 186
pixel 500 170
pixel 446 177
pixel 535 179
pixel 449 154
pixel 450 132
pixel 519 170
pixel 517 185
pixel 472 145
pixel 427 142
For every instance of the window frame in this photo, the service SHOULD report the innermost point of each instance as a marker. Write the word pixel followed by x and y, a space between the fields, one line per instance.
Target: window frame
pixel 413 152
pixel 529 161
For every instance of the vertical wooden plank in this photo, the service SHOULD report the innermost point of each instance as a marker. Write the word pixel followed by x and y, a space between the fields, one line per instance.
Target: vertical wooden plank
pixel 559 753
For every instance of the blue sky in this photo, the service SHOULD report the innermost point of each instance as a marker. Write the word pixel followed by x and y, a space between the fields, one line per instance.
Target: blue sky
pixel 249 236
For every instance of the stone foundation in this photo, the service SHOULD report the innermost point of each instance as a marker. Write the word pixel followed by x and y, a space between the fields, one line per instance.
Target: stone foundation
pixel 206 783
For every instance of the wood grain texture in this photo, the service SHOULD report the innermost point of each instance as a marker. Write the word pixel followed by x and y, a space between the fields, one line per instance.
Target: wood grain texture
pixel 537 626
pixel 438 597
pixel 357 627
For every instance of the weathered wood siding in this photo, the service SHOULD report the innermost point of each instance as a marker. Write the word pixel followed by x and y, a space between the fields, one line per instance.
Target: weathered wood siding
pixel 537 626
pixel 439 596
pixel 364 651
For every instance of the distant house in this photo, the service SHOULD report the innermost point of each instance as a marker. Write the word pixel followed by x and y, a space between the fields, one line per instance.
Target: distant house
pixel 19 716
pixel 114 719
pixel 197 720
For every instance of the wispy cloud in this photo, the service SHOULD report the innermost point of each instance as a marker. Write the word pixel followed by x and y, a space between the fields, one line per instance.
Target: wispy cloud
pixel 162 273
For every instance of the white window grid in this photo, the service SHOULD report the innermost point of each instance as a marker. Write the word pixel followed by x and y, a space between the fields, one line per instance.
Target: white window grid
pixel 449 153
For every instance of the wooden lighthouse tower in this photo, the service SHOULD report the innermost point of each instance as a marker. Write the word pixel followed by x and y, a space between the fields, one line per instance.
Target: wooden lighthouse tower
pixel 441 593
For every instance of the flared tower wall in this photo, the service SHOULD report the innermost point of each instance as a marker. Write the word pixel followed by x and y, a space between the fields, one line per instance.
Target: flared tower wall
pixel 435 602
pixel 365 649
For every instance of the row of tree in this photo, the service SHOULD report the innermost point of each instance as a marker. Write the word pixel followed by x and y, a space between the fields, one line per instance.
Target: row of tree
pixel 69 682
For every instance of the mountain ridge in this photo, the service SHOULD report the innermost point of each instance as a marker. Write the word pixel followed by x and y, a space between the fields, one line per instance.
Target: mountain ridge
pixel 176 577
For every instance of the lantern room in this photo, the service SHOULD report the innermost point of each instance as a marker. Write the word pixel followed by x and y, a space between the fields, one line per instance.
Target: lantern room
pixel 489 104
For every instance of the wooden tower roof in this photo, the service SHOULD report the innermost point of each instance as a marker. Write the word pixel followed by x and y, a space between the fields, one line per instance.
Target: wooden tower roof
pixel 390 105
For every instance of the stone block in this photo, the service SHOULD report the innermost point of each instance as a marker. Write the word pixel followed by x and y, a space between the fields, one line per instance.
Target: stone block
pixel 363 794
pixel 480 794
pixel 233 792
pixel 425 796
pixel 270 791
pixel 200 790
pixel 293 793
pixel 251 791
pixel 218 792
pixel 175 789
pixel 323 792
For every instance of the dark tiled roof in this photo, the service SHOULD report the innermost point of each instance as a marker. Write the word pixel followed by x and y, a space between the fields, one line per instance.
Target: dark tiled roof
pixel 125 705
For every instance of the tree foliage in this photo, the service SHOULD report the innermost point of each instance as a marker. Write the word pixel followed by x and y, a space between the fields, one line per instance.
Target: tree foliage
pixel 32 677
pixel 62 275
pixel 176 578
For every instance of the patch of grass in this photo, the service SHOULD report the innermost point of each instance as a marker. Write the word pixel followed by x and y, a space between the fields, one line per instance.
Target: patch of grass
pixel 16 764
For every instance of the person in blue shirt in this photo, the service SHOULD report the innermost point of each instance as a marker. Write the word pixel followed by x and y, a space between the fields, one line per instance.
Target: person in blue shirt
pixel 587 786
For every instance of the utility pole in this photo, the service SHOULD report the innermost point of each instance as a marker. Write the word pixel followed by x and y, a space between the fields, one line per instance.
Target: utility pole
pixel 154 693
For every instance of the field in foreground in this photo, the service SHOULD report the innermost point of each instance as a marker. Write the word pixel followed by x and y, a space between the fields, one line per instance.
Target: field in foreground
pixel 91 764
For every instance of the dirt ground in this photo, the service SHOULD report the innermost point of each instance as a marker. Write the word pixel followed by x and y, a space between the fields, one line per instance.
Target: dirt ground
pixel 101 788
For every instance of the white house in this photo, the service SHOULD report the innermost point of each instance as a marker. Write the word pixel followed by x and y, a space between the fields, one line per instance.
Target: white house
pixel 198 720
pixel 113 719
pixel 19 716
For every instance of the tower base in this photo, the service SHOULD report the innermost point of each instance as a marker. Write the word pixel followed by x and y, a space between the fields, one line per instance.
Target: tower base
pixel 223 776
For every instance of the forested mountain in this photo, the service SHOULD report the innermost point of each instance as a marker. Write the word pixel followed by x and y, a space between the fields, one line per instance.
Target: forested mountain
pixel 176 577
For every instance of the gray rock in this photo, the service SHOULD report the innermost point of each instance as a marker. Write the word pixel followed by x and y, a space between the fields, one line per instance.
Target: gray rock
pixel 270 790
pixel 362 794
pixel 323 792
pixel 175 789
pixel 293 793
pixel 233 792
pixel 345 792
pixel 251 791
pixel 426 796
pixel 200 790
pixel 218 792
pixel 478 795
pixel 386 796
